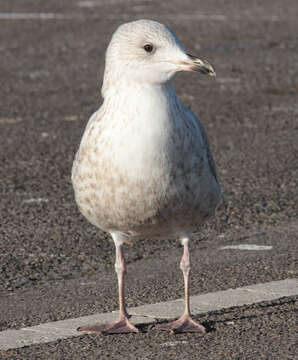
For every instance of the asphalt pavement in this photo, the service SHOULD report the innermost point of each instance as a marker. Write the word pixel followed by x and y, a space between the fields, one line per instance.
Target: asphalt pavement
pixel 54 265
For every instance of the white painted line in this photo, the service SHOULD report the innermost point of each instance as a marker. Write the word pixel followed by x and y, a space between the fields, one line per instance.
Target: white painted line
pixel 220 17
pixel 124 16
pixel 147 314
pixel 44 333
pixel 247 247
pixel 90 4
pixel 9 121
pixel 228 80
pixel 36 201
pixel 222 299
pixel 286 108
pixel 32 16
pixel 174 343
pixel 71 117
pixel 206 17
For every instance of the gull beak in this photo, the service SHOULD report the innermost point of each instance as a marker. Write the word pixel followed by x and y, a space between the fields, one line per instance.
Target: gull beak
pixel 195 64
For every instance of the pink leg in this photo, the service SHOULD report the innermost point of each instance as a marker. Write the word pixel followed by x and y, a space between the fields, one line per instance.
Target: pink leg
pixel 185 323
pixel 122 324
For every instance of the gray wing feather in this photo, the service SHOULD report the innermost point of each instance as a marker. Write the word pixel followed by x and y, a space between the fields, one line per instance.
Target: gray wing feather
pixel 205 143
pixel 209 154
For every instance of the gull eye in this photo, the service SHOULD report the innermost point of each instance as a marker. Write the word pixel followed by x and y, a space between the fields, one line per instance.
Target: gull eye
pixel 148 48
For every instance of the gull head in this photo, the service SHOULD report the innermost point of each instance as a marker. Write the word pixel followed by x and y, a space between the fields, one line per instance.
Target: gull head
pixel 146 51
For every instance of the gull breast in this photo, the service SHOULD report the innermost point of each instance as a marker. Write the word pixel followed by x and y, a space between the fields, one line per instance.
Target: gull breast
pixel 145 171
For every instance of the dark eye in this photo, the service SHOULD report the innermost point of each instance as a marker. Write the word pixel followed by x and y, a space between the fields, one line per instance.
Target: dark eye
pixel 148 48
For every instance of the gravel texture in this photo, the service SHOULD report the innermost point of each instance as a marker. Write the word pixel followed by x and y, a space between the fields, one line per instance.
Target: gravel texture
pixel 51 74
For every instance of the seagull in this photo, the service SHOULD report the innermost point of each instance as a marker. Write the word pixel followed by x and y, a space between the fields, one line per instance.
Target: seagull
pixel 144 168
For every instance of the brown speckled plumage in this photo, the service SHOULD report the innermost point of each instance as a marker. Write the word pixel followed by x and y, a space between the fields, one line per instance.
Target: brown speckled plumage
pixel 177 192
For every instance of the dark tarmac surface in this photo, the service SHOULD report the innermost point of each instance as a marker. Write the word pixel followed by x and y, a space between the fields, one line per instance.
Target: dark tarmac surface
pixel 55 265
pixel 230 337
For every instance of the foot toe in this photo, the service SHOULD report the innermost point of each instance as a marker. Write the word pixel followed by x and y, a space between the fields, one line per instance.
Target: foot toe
pixel 118 327
pixel 184 324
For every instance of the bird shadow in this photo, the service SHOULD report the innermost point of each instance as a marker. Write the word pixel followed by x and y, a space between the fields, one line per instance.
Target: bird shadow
pixel 145 328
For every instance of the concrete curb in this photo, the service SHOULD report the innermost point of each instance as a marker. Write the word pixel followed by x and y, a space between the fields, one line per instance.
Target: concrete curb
pixel 148 314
